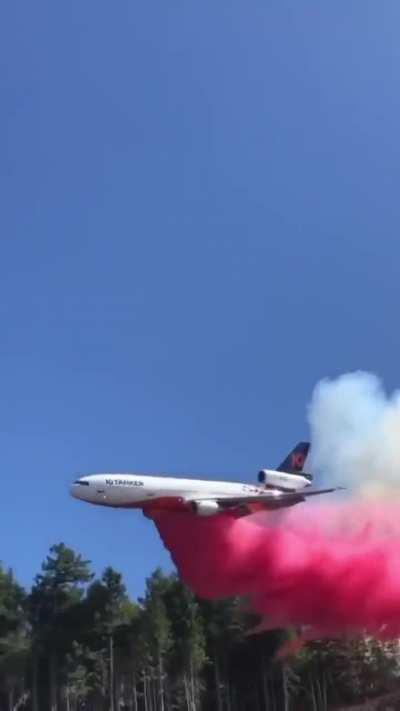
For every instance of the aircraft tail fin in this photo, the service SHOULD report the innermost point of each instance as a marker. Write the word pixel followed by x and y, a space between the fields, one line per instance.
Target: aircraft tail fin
pixel 294 462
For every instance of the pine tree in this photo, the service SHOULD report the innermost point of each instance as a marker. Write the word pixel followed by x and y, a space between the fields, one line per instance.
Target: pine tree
pixel 14 640
pixel 57 588
pixel 157 632
pixel 188 641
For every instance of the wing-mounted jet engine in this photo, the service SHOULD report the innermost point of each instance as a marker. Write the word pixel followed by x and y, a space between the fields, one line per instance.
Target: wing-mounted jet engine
pixel 205 508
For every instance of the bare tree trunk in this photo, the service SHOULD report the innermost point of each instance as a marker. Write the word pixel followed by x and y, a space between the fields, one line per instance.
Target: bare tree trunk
pixel 167 693
pixel 232 698
pixel 21 701
pixel 319 694
pixel 266 693
pixel 274 697
pixel 11 699
pixel 68 699
pixel 111 671
pixel 161 705
pixel 192 687
pixel 145 693
pixel 187 694
pixel 154 691
pixel 53 682
pixel 134 695
pixel 218 685
pixel 119 689
pixel 35 701
pixel 285 685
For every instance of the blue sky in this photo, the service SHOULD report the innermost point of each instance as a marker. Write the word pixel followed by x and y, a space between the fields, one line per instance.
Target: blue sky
pixel 200 219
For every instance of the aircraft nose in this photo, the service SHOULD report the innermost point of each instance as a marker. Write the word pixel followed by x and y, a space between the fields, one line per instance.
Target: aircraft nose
pixel 74 490
pixel 78 488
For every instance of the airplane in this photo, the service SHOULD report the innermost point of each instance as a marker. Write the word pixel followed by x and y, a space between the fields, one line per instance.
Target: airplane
pixel 277 488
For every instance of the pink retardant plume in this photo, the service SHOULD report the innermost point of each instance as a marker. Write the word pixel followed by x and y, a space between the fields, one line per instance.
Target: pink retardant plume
pixel 334 569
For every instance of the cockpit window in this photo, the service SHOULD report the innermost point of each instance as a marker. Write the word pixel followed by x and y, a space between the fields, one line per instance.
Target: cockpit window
pixel 82 483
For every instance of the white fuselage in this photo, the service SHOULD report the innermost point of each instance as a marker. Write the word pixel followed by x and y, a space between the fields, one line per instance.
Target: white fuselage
pixel 139 491
pixel 205 497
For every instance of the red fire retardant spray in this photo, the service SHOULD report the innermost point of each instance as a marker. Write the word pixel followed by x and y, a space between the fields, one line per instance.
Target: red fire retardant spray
pixel 334 569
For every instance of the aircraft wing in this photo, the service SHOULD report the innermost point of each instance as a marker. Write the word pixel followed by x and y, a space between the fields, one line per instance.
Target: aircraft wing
pixel 270 500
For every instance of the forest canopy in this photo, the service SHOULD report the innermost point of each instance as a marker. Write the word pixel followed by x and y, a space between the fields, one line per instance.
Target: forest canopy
pixel 74 641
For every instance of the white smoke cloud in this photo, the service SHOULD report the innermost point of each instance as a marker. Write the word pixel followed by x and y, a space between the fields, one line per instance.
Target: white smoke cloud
pixel 355 434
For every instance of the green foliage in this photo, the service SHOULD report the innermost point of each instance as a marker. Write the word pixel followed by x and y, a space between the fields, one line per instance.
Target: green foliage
pixel 57 587
pixel 76 643
pixel 14 638
pixel 12 598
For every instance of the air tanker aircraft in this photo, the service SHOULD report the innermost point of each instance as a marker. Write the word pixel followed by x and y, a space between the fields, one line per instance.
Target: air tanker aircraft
pixel 277 488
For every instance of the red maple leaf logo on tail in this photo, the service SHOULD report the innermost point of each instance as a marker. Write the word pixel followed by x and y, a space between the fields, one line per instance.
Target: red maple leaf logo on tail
pixel 298 460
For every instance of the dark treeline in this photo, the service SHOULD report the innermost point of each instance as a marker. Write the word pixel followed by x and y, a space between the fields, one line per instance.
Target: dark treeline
pixel 75 642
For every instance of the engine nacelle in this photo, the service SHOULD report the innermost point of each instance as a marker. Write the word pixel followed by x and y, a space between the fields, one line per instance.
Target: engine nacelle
pixel 282 480
pixel 205 508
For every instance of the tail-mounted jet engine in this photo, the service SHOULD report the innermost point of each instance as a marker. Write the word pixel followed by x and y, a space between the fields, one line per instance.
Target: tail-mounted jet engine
pixel 281 480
